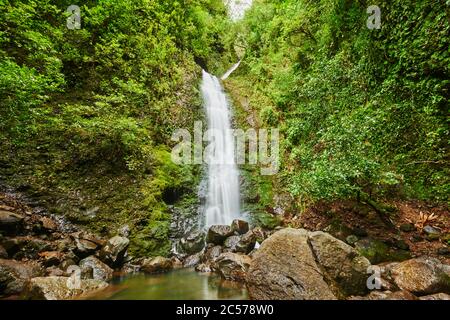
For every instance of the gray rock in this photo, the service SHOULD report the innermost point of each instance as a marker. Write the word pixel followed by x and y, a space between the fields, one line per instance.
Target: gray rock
pixel 430 230
pixel 233 266
pixel 247 242
pixel 192 260
pixel 217 234
pixel 193 243
pixel 343 265
pixel 239 226
pixel 231 242
pixel 114 250
pixel 422 276
pixel 157 265
pixel 100 270
pixel 61 288
pixel 284 268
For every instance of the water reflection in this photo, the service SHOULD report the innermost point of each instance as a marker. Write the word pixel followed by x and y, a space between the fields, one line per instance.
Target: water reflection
pixel 185 284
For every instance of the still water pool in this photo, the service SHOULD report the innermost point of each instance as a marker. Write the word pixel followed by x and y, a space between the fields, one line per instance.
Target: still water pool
pixel 184 284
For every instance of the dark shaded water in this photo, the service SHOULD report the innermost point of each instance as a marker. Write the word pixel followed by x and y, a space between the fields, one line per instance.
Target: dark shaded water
pixel 184 284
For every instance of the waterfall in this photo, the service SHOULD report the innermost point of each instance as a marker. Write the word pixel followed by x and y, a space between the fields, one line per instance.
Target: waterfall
pixel 229 72
pixel 222 202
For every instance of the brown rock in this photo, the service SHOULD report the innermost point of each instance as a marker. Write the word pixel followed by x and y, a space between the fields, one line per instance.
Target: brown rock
pixel 156 265
pixel 15 274
pixel 233 266
pixel 422 276
pixel 61 288
pixel 343 265
pixel 284 268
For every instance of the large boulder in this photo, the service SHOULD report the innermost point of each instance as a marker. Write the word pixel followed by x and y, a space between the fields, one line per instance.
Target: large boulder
pixel 193 243
pixel 15 274
pixel 422 276
pixel 218 233
pixel 61 288
pixel 114 250
pixel 233 266
pixel 10 221
pixel 239 226
pixel 100 271
pixel 284 268
pixel 157 265
pixel 343 265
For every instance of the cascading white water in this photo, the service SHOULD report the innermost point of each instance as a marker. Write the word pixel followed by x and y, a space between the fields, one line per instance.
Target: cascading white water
pixel 229 72
pixel 222 203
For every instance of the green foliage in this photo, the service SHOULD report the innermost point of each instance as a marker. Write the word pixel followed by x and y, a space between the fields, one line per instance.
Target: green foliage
pixel 360 110
pixel 83 109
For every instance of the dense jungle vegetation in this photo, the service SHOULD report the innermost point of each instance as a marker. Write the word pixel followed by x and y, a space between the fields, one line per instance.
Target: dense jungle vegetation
pixel 363 112
pixel 86 115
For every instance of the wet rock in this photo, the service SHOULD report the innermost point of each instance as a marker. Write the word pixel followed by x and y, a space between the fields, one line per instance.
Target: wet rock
pixel 247 242
pixel 176 263
pixel 217 234
pixel 239 226
pixel 15 274
pixel 10 221
pixel 284 268
pixel 213 253
pixel 436 296
pixel 422 276
pixel 231 242
pixel 204 268
pixel 233 266
pixel 51 258
pixel 343 265
pixel 114 250
pixel 193 243
pixel 407 227
pixel 156 265
pixel 192 260
pixel 61 288
pixel 101 271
